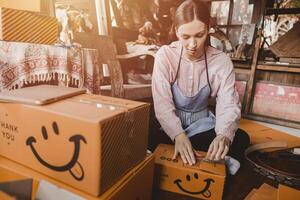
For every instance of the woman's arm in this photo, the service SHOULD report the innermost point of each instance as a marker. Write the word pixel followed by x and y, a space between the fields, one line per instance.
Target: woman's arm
pixel 162 95
pixel 228 106
pixel 228 113
pixel 165 109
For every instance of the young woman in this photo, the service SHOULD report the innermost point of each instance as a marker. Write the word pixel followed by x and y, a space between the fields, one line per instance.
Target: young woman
pixel 186 74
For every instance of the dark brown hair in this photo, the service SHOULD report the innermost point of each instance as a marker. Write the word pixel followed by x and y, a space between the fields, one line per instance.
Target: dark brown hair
pixel 187 12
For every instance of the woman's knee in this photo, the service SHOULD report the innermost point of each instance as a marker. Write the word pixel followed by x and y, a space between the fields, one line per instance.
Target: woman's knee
pixel 242 138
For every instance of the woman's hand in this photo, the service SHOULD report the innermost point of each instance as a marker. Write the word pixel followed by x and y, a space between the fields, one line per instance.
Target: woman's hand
pixel 218 148
pixel 184 147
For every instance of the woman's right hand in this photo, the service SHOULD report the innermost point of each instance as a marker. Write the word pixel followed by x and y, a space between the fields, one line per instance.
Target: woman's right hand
pixel 183 146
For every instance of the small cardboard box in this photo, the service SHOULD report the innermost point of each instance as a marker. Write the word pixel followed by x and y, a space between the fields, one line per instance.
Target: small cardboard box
pixel 136 184
pixel 86 141
pixel 264 192
pixel 17 186
pixel 203 180
pixel 26 26
pixel 285 192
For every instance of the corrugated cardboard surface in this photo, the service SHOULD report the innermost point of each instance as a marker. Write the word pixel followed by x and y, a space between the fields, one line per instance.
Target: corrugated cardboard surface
pixel 260 134
pixel 285 192
pixel 203 180
pixel 26 26
pixel 136 184
pixel 87 141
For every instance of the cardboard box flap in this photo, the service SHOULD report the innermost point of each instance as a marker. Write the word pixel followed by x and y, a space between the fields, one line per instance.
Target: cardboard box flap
pixel 84 109
pixel 285 192
pixel 39 95
pixel 164 153
pixel 259 133
pixel 264 192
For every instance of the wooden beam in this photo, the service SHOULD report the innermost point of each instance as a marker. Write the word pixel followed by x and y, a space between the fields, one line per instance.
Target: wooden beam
pixel 230 12
pixel 47 7
pixel 108 18
pixel 116 13
pixel 242 71
pixel 282 11
pixel 250 87
pixel 241 64
pixel 230 26
pixel 278 68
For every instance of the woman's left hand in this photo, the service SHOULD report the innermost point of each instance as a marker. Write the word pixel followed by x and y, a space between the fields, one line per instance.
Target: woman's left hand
pixel 218 148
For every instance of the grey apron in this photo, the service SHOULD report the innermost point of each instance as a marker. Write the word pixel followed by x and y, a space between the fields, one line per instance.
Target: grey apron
pixel 192 111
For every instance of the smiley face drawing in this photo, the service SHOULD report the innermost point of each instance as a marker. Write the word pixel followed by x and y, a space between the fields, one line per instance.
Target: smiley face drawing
pixel 79 175
pixel 205 191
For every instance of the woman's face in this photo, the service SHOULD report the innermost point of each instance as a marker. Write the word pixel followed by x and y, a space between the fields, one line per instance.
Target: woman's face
pixel 192 36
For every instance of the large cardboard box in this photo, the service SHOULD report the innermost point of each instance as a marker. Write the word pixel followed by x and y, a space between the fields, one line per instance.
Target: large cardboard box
pixel 259 133
pixel 86 141
pixel 203 180
pixel 15 185
pixel 135 185
pixel 27 26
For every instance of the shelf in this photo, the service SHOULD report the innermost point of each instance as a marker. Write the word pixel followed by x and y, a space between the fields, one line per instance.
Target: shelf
pixel 242 71
pixel 282 11
pixel 241 65
pixel 279 68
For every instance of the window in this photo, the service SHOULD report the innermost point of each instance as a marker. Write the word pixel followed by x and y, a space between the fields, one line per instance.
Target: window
pixel 234 18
